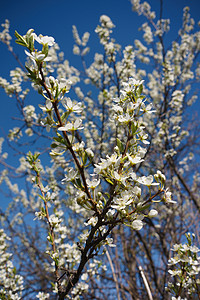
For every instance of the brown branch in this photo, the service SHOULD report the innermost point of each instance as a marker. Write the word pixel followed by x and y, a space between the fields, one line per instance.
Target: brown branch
pixel 39 184
pixel 185 185
pixel 60 124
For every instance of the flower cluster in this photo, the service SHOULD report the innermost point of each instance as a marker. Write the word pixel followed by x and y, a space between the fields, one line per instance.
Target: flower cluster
pixel 11 284
pixel 104 30
pixel 184 268
pixel 106 144
pixel 117 168
pixel 80 45
pixel 5 37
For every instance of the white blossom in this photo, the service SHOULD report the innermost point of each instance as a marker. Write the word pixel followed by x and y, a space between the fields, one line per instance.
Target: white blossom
pixel 72 126
pixel 45 40
pixel 137 225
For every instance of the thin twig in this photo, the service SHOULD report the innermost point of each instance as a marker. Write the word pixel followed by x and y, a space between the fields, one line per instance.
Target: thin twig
pixel 145 282
pixel 113 272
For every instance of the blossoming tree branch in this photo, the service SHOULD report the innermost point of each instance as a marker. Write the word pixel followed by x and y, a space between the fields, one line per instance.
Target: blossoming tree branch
pixel 114 187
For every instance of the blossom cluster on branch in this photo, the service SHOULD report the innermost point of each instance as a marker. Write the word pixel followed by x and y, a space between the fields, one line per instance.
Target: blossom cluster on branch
pixel 116 175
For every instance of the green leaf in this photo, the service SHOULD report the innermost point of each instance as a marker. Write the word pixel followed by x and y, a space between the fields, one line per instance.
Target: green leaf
pixel 41 197
pixel 65 115
pixel 14 271
pixel 50 238
pixel 109 180
pixel 120 145
pixel 20 40
pixel 28 36
pixel 31 74
pixel 54 145
pixel 78 183
pixel 123 159
pixel 56 262
pixel 43 210
pixel 20 43
pixel 134 128
pixel 57 92
pixel 59 138
pixel 31 44
pixel 140 89
pixel 84 158
pixel 142 208
pixel 36 155
pixel 45 49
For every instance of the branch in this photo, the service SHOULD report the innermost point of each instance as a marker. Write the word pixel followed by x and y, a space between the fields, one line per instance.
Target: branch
pixel 60 124
pixel 188 190
pixel 113 272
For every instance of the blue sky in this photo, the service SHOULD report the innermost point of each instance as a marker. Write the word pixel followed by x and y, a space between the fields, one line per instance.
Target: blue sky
pixel 55 18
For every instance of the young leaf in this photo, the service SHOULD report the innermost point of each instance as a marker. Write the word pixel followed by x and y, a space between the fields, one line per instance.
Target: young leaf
pixel 120 145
